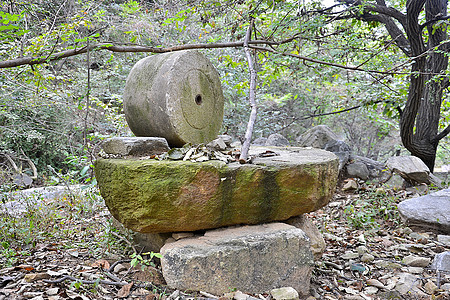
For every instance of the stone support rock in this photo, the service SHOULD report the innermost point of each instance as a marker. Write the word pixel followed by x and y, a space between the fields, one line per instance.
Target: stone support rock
pixel 174 196
pixel 252 259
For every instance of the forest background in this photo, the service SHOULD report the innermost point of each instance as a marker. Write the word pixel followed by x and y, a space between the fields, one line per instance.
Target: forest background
pixel 63 66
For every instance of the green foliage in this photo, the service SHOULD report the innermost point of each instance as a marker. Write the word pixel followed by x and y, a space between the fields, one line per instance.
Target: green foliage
pixel 143 260
pixel 371 209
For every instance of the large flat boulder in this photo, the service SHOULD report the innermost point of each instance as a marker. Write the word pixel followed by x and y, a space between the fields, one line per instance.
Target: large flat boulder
pixel 174 196
pixel 430 211
pixel 252 259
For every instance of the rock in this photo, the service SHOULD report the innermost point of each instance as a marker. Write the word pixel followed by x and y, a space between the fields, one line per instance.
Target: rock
pixel 361 250
pixel 411 168
pixel 430 287
pixel 395 182
pixel 350 255
pixel 318 245
pixel 350 185
pixel 226 138
pixel 375 168
pixel 337 146
pixel 22 180
pixel 21 201
pixel 147 241
pixel 444 239
pixel 408 284
pixel 182 235
pixel 174 95
pixel 429 211
pixel 317 137
pixel 366 257
pixel 261 141
pixel 173 196
pixel 415 270
pixel 446 286
pixel 359 170
pixel 277 139
pixel 245 258
pixel 135 146
pixel 218 144
pixel 284 293
pixel 416 261
pixel 441 262
pixel 119 268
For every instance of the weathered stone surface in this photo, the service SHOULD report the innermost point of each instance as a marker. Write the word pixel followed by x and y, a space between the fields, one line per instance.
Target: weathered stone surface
pixel 430 211
pixel 174 95
pixel 246 258
pixel 136 146
pixel 411 168
pixel 173 196
pixel 284 293
pixel 358 169
pixel 261 141
pixel 317 137
pixel 317 242
pixel 277 139
pixel 441 262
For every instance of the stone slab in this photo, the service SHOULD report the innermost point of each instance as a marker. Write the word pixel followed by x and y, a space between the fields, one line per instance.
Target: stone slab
pixel 411 168
pixel 135 146
pixel 252 259
pixel 174 196
pixel 430 211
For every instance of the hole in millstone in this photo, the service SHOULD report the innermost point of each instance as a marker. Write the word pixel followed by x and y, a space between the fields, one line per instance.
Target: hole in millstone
pixel 198 99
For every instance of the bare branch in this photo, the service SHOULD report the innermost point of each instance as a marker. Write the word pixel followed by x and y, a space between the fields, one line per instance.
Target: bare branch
pixel 251 97
pixel 442 135
pixel 122 48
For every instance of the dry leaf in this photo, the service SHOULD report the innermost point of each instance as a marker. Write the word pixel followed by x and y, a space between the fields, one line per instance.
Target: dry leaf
pixel 125 290
pixel 104 264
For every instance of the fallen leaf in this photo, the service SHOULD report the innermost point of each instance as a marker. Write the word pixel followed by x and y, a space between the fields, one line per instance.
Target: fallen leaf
pixel 102 263
pixel 125 290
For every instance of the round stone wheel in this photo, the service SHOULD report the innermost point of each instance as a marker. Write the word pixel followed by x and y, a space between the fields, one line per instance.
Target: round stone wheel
pixel 176 96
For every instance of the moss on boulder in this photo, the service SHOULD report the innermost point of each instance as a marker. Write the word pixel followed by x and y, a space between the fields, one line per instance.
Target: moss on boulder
pixel 170 196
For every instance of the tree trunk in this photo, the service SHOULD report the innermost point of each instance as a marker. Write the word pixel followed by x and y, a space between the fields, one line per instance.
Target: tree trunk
pixel 419 122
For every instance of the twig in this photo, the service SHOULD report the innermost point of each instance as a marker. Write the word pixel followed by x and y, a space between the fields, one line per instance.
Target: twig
pixel 252 98
pixel 124 239
pixel 67 277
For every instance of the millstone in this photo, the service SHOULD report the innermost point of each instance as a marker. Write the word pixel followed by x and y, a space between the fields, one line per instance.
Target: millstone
pixel 173 196
pixel 174 95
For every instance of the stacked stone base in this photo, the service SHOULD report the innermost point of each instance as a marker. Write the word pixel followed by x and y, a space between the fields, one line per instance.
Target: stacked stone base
pixel 156 198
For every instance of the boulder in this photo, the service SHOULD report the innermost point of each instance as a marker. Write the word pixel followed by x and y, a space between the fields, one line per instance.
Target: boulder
pixel 277 139
pixel 411 168
pixel 318 245
pixel 135 146
pixel 317 137
pixel 359 170
pixel 174 95
pixel 429 211
pixel 244 258
pixel 261 141
pixel 174 196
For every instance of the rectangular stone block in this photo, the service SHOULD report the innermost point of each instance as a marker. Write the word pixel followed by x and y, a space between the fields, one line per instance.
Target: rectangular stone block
pixel 252 259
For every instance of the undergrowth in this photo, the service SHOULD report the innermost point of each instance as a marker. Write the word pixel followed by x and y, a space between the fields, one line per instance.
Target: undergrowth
pixel 371 209
pixel 77 219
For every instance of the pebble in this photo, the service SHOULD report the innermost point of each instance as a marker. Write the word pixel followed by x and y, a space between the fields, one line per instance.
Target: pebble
pixel 367 257
pixel 284 293
pixel 350 255
pixel 362 249
pixel 430 287
pixel 415 270
pixel 119 268
pixel 416 261
pixel 371 290
pixel 446 286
